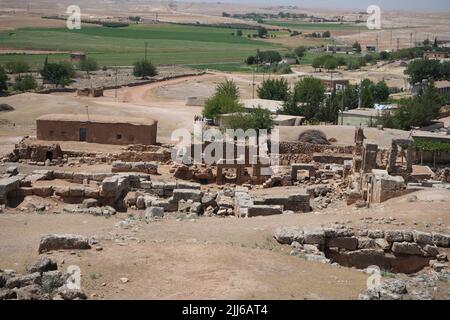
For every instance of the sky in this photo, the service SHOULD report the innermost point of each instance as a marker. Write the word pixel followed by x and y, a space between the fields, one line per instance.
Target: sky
pixel 410 5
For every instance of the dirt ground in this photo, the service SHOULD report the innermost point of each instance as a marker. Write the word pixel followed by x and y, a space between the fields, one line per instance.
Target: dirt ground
pixel 207 258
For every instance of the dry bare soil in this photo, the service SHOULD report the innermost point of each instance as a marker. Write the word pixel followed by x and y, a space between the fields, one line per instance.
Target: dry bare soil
pixel 206 258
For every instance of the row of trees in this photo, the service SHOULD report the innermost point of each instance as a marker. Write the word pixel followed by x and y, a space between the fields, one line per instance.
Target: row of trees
pixel 332 62
pixel 414 112
pixel 432 70
pixel 60 73
pixel 307 98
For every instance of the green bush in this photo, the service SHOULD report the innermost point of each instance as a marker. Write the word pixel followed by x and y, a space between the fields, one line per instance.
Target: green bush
pixel 58 73
pixel 229 89
pixel 144 68
pixel 88 65
pixel 274 89
pixel 258 119
pixel 25 83
pixel 17 67
pixel 3 80
pixel 220 104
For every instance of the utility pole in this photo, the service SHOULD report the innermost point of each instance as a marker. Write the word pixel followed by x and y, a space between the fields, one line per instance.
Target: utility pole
pixel 253 84
pixel 398 44
pixel 87 112
pixel 411 40
pixel 342 108
pixel 377 47
pixel 391 39
pixel 115 92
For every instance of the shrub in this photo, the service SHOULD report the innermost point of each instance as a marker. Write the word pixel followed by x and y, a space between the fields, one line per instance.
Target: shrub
pixel 58 73
pixel 258 119
pixel 25 83
pixel 3 80
pixel 220 104
pixel 274 89
pixel 17 67
pixel 144 68
pixel 229 89
pixel 88 65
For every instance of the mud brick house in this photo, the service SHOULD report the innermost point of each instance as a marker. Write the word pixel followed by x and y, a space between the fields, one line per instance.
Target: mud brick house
pixel 96 129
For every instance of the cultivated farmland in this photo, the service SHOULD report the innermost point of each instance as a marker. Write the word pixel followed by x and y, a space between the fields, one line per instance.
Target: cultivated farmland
pixel 166 44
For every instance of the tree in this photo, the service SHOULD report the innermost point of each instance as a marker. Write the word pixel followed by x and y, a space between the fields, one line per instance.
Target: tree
pixel 326 34
pixel 384 55
pixel 262 32
pixel 88 65
pixel 330 63
pixel 251 60
pixel 367 99
pixel 357 47
pixel 380 92
pixel 58 73
pixel 308 95
pixel 435 43
pixel 268 57
pixel 274 89
pixel 329 110
pixel 348 98
pixel 220 104
pixel 3 80
pixel 134 18
pixel 317 63
pixel 419 70
pixel 300 51
pixel 144 68
pixel 229 89
pixel 257 119
pixel 414 112
pixel 224 100
pixel 445 70
pixel 17 67
pixel 25 83
pixel 239 33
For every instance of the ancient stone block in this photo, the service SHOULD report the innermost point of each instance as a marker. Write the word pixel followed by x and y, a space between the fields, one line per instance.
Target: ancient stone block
pixel 63 241
pixel 263 210
pixel 407 248
pixel 349 243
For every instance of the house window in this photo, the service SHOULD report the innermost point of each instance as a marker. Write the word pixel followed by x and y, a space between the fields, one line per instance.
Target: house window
pixel 119 136
pixel 52 132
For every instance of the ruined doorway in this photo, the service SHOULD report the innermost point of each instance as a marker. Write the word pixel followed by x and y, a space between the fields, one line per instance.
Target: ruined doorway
pixel 82 134
pixel 49 155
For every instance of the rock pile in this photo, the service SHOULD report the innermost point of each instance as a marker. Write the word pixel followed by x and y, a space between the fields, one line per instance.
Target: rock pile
pixel 43 282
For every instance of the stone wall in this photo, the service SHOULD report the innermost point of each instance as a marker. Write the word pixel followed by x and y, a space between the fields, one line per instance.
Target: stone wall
pixel 299 152
pixel 402 251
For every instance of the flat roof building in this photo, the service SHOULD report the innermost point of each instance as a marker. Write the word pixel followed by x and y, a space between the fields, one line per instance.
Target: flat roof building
pixel 96 129
pixel 361 117
pixel 442 86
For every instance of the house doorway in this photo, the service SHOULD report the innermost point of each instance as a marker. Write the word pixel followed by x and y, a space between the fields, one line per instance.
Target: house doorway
pixel 82 134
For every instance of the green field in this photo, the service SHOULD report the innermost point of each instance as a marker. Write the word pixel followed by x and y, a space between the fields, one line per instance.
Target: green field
pixel 300 25
pixel 167 44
